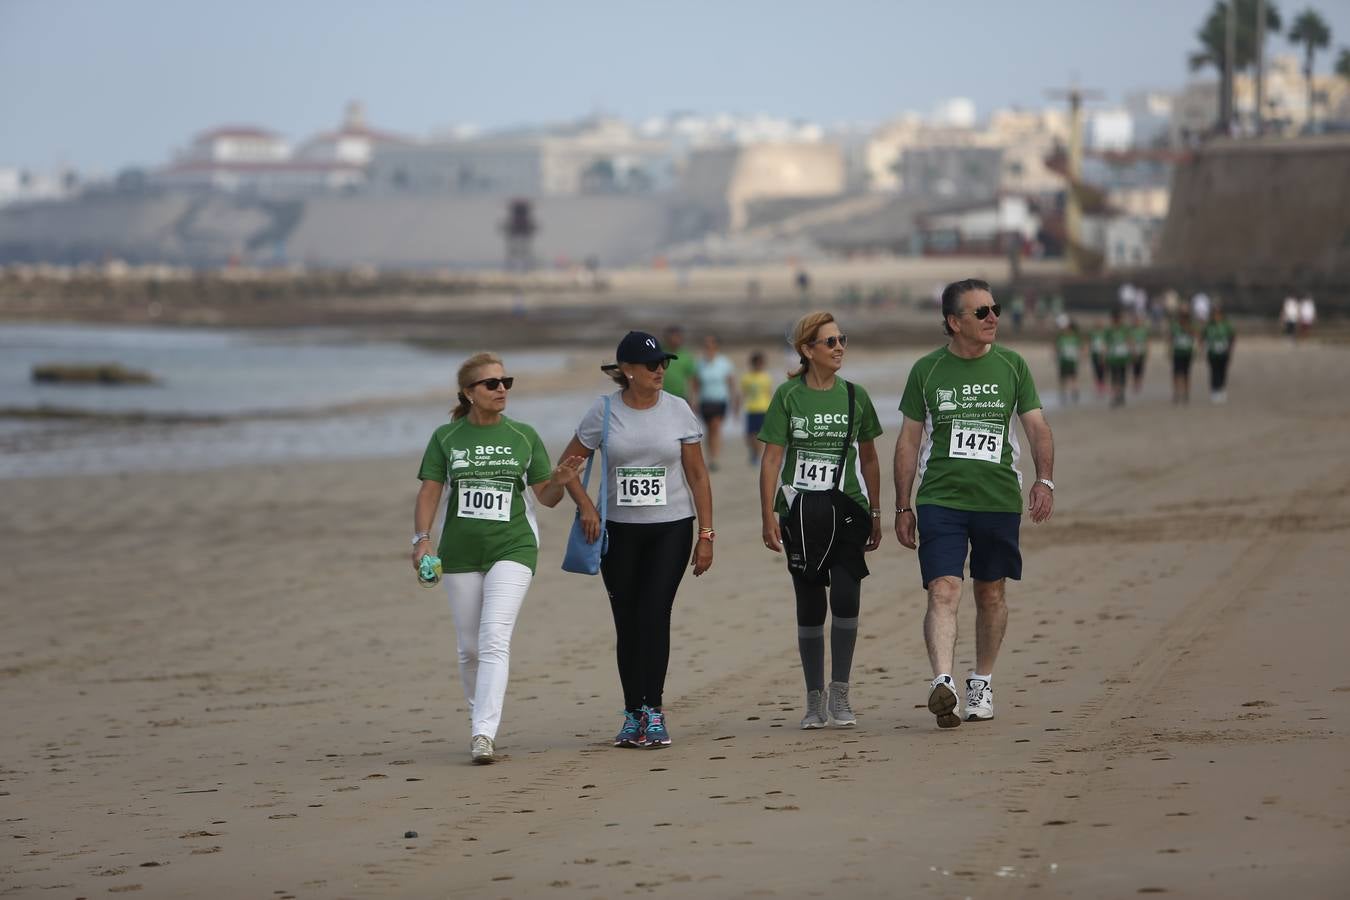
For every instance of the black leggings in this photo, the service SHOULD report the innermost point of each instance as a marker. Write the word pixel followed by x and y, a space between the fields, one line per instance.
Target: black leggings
pixel 844 598
pixel 1218 372
pixel 642 571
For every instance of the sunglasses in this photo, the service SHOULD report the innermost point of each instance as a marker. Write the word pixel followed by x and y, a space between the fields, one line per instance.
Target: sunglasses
pixel 657 364
pixel 832 341
pixel 493 383
pixel 982 312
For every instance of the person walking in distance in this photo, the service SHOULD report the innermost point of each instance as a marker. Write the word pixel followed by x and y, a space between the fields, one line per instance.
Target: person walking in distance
pixel 810 426
pixel 717 391
pixel 1097 346
pixel 1182 339
pixel 1219 338
pixel 1068 350
pixel 1119 352
pixel 757 391
pixel 957 437
pixel 490 541
pixel 680 375
pixel 657 484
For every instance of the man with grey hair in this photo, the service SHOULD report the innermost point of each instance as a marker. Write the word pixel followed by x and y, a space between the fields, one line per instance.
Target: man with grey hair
pixel 957 437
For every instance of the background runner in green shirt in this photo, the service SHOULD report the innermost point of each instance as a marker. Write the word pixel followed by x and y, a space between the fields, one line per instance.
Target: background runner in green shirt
pixel 1068 350
pixel 1119 350
pixel 803 434
pixel 957 438
pixel 1219 338
pixel 1181 337
pixel 489 543
pixel 680 375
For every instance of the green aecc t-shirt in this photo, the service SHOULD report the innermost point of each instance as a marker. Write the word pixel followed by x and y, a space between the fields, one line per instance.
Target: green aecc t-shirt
pixel 489 514
pixel 810 425
pixel 968 458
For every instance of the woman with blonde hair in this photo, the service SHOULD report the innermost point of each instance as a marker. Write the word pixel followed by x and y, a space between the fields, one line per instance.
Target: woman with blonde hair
pixel 490 541
pixel 819 435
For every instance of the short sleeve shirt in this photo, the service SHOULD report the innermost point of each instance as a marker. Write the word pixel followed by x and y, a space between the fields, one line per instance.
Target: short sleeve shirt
pixel 646 453
pixel 1219 338
pixel 489 514
pixel 969 453
pixel 712 379
pixel 1067 345
pixel 1118 345
pixel 757 388
pixel 811 425
pixel 678 374
pixel 1183 340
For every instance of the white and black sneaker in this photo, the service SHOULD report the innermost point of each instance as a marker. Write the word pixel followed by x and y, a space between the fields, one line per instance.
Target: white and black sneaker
pixel 979 700
pixel 943 702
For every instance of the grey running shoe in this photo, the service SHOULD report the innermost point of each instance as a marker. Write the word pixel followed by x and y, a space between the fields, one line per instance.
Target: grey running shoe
pixel 943 702
pixel 979 700
pixel 840 713
pixel 482 751
pixel 815 710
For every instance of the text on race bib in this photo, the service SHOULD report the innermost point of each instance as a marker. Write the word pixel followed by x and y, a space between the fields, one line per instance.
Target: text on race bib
pixel 976 440
pixel 483 498
pixel 640 485
pixel 814 471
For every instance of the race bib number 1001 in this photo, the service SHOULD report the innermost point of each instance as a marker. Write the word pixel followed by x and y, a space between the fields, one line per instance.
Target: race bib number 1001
pixel 976 440
pixel 641 485
pixel 482 498
pixel 814 471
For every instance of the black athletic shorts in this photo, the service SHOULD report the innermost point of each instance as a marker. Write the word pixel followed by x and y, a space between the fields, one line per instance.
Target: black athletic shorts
pixel 710 411
pixel 1181 363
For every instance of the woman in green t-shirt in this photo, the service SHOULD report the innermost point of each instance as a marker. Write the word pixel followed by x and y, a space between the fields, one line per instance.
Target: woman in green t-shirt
pixel 803 432
pixel 1219 338
pixel 490 541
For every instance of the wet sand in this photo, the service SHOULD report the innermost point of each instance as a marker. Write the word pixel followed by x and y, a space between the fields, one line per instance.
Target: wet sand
pixel 227 683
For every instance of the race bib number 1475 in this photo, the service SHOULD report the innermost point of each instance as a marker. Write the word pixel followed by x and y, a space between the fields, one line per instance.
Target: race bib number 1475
pixel 976 440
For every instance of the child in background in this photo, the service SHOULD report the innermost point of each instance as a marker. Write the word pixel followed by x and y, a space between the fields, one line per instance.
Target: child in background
pixel 757 389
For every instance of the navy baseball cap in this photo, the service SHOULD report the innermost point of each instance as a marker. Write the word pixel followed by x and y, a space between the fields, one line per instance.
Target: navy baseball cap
pixel 640 347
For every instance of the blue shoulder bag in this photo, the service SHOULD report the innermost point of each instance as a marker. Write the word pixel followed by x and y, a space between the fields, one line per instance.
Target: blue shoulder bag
pixel 582 556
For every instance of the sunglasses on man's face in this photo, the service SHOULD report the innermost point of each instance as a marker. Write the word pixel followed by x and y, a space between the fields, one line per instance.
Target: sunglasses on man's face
pixel 982 312
pixel 833 341
pixel 657 364
pixel 493 383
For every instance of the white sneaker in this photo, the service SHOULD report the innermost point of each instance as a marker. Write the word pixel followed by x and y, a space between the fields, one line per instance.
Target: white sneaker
pixel 482 751
pixel 979 700
pixel 943 702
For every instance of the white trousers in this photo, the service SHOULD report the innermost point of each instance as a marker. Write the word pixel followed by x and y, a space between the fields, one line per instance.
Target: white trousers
pixel 485 606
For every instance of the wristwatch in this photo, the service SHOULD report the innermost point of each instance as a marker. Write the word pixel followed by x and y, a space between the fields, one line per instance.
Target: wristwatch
pixel 1047 482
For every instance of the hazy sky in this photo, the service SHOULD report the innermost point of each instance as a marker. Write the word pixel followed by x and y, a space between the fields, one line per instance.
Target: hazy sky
pixel 106 83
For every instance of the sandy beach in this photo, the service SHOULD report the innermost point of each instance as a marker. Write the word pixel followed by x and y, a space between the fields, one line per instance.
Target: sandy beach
pixel 227 683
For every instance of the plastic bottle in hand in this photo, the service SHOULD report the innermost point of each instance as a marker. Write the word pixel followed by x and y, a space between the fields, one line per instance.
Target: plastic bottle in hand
pixel 429 571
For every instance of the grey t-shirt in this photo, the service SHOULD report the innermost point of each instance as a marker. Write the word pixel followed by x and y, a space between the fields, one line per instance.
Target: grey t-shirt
pixel 645 444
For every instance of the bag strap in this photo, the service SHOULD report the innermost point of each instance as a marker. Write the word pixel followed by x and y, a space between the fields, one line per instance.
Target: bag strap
pixel 604 463
pixel 848 438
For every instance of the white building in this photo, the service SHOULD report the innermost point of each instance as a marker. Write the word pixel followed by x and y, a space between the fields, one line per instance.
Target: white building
pixel 20 185
pixel 588 157
pixel 255 160
pixel 988 226
pixel 1109 129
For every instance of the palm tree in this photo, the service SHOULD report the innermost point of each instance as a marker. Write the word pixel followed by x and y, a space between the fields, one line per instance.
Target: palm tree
pixel 1343 63
pixel 1212 35
pixel 1313 33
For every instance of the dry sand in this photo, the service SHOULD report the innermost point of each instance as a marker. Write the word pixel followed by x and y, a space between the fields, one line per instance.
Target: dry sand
pixel 228 684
